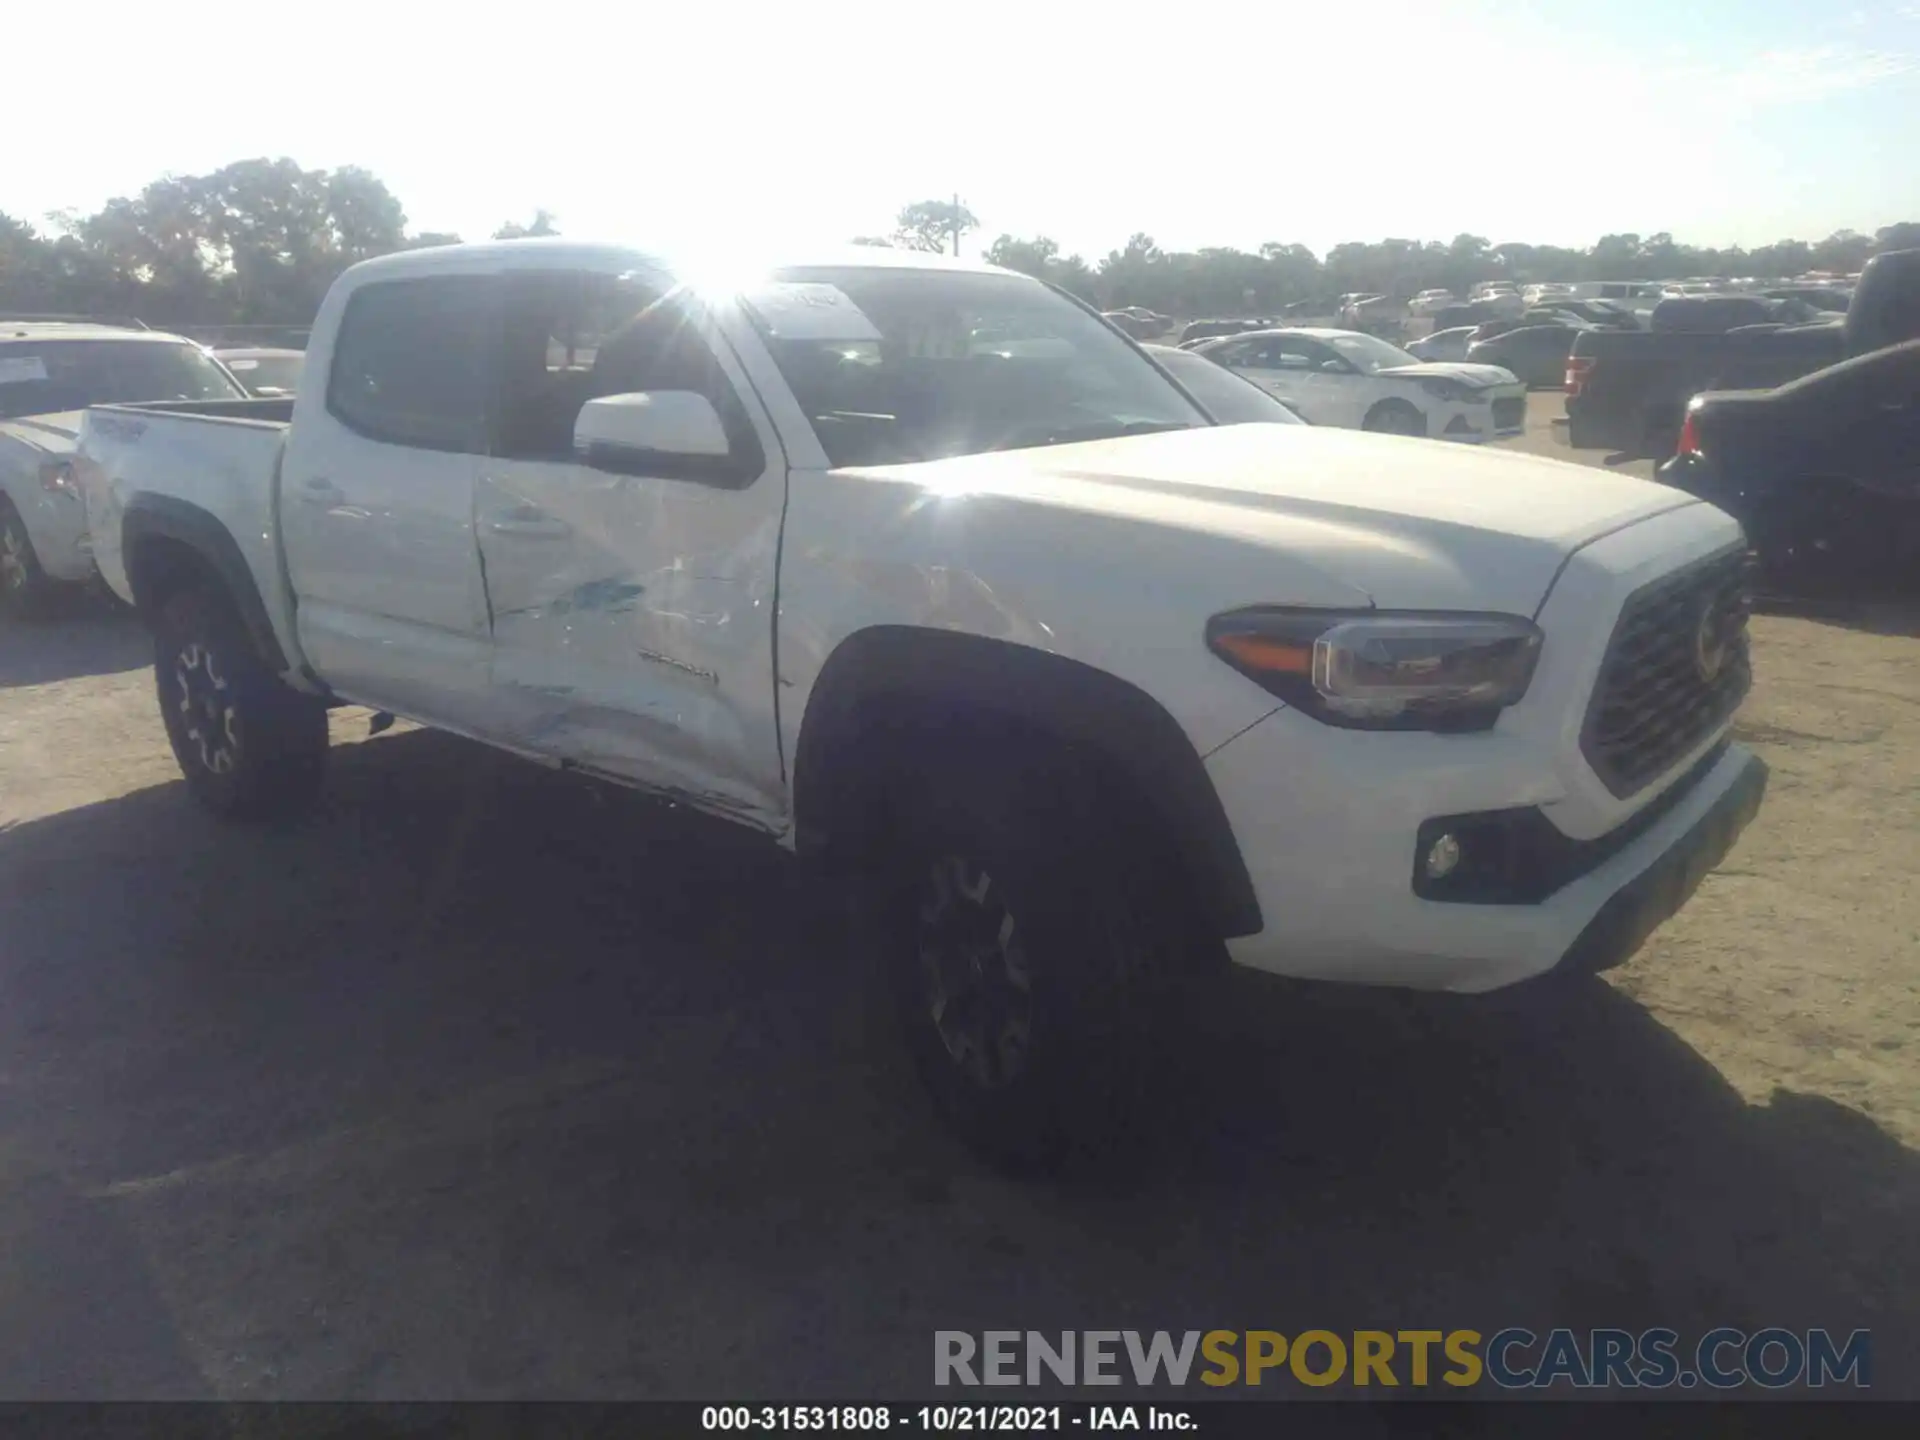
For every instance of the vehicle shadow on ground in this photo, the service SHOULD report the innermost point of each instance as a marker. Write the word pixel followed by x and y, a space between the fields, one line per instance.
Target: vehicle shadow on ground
pixel 82 634
pixel 1873 617
pixel 481 1084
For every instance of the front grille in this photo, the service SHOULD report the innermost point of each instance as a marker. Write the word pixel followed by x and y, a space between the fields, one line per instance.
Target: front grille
pixel 1509 413
pixel 1660 691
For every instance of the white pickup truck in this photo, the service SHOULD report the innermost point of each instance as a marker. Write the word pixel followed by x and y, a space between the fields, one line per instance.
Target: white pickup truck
pixel 921 566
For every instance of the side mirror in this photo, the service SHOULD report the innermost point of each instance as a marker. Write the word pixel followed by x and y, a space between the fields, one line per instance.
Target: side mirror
pixel 672 433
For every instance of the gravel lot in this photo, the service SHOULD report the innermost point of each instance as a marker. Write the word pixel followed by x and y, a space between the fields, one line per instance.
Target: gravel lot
pixel 483 1084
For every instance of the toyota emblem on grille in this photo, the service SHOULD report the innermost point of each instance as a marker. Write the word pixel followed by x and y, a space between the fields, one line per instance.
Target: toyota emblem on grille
pixel 1712 638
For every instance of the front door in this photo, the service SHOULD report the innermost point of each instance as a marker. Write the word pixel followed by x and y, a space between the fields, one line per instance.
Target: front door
pixel 376 497
pixel 633 613
pixel 1307 375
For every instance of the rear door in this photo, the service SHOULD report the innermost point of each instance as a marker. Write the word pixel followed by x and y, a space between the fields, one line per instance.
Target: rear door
pixel 633 609
pixel 376 492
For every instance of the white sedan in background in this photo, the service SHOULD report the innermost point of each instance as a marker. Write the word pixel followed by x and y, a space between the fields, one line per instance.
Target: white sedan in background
pixel 265 373
pixel 1228 398
pixel 1358 382
pixel 1431 302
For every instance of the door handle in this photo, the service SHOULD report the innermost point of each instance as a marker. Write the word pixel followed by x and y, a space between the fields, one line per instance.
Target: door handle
pixel 321 491
pixel 533 527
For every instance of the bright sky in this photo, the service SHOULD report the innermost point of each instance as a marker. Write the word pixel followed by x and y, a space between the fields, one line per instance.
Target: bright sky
pixel 1208 122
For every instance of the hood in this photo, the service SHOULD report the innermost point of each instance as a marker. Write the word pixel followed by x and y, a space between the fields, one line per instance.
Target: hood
pixel 1410 523
pixel 56 435
pixel 1477 377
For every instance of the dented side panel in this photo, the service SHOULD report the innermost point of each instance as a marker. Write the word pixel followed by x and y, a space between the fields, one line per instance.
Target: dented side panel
pixel 633 624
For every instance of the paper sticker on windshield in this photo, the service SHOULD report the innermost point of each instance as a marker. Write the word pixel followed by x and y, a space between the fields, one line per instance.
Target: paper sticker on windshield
pixel 21 370
pixel 810 311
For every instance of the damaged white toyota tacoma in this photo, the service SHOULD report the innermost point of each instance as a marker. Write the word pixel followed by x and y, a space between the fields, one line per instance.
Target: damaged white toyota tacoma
pixel 921 567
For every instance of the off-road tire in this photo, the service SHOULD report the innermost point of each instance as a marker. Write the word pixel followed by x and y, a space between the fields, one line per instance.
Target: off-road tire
pixel 249 746
pixel 1019 851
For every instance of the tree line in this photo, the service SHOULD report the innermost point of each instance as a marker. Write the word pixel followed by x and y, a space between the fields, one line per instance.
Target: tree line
pixel 259 241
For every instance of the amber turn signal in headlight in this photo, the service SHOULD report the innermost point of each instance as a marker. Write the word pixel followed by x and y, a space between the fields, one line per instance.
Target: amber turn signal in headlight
pixel 1378 670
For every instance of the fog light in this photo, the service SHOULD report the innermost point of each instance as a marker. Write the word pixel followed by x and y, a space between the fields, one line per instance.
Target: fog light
pixel 1443 857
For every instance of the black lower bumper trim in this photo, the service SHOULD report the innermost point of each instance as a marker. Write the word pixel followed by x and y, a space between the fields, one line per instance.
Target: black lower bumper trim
pixel 1625 921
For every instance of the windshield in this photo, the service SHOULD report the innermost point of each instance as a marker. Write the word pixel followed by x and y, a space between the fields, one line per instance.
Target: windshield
pixel 1368 355
pixel 1229 398
pixel 278 373
pixel 44 377
pixel 903 365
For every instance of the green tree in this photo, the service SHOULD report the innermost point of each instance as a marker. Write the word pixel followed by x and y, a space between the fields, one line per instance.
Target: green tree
pixel 542 224
pixel 1041 258
pixel 1903 236
pixel 933 225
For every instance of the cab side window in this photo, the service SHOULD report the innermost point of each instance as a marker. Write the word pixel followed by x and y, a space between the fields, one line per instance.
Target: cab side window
pixel 570 337
pixel 412 360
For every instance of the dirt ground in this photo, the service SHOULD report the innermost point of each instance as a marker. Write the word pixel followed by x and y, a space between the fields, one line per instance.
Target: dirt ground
pixel 483 1084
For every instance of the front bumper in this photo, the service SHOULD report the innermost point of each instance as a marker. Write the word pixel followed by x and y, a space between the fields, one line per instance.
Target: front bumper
pixel 1623 923
pixel 1331 864
pixel 56 522
pixel 1499 416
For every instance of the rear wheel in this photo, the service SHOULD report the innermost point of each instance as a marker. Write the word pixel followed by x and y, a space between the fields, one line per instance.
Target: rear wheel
pixel 24 586
pixel 1395 417
pixel 249 746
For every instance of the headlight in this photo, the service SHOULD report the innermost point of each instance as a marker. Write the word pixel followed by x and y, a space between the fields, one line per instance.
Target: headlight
pixel 1451 390
pixel 1377 670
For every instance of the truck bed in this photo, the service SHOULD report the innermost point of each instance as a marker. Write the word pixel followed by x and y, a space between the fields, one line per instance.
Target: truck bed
pixel 194 460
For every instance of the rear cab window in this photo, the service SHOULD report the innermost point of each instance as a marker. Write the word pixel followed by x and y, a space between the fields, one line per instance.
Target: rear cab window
pixel 413 362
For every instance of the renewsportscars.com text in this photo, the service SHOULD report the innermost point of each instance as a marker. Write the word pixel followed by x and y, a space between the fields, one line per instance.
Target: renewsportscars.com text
pixel 1514 1358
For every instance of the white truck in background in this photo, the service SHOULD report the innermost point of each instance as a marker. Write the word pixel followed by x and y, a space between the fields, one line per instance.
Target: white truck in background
pixel 921 567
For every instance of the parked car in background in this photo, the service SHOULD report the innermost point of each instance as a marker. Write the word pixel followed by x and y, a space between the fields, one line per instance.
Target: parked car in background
pixel 1344 378
pixel 1448 344
pixel 1537 354
pixel 1078 692
pixel 1628 391
pixel 1501 327
pixel 1376 315
pixel 1832 299
pixel 265 372
pixel 1197 330
pixel 1607 314
pixel 1823 474
pixel 51 370
pixel 1500 304
pixel 1638 296
pixel 1430 302
pixel 1230 398
pixel 1716 312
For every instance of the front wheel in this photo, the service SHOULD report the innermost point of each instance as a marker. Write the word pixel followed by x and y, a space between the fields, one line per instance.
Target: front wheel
pixel 249 746
pixel 24 586
pixel 1024 944
pixel 1395 417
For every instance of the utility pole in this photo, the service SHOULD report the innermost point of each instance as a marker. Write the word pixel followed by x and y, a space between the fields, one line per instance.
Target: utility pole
pixel 956 224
